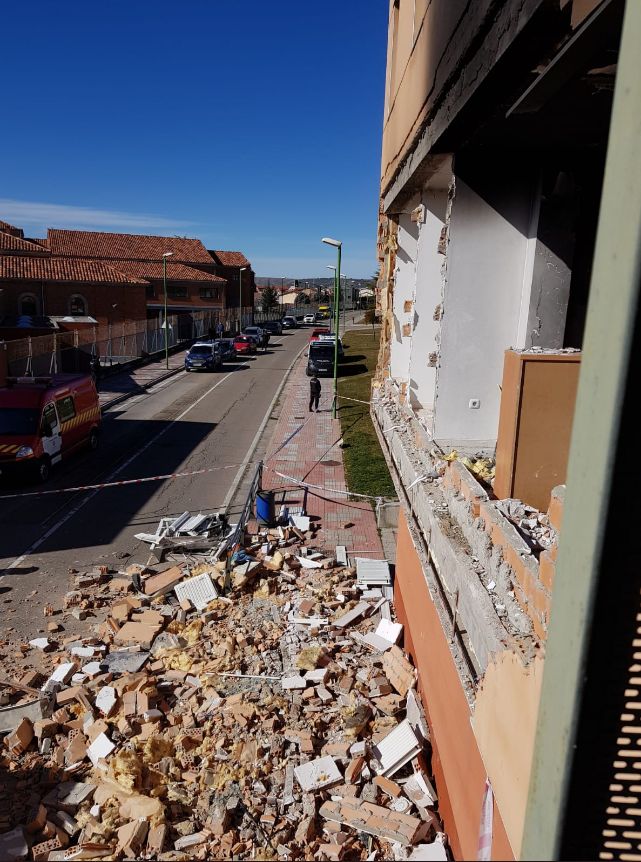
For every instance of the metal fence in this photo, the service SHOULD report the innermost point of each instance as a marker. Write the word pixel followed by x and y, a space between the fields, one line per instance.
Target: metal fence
pixel 119 343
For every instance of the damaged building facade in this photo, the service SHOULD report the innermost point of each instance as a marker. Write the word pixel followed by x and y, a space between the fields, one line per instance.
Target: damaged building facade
pixel 496 125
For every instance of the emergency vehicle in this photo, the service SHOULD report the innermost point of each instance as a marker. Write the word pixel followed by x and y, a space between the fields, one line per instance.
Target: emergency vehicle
pixel 44 419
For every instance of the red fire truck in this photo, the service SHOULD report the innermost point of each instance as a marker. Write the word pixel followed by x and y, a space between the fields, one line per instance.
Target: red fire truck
pixel 44 419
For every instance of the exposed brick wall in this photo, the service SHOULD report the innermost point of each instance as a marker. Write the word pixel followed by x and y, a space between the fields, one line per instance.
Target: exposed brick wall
pixel 532 579
pixel 53 299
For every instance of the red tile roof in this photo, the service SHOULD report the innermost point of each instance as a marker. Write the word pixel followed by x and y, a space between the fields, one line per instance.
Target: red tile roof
pixel 10 243
pixel 232 258
pixel 38 241
pixel 175 271
pixel 46 268
pixel 125 246
pixel 4 225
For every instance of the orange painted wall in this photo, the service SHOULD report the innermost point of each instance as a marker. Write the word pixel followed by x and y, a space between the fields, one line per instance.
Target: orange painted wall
pixel 456 762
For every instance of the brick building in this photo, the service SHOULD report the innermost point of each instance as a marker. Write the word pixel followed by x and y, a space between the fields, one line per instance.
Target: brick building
pixel 497 123
pixel 228 265
pixel 114 277
pixel 36 283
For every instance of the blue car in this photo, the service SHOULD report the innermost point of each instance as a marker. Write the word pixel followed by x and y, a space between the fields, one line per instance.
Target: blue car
pixel 203 356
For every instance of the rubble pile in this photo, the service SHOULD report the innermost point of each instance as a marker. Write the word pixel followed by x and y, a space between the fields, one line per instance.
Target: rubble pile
pixel 258 710
pixel 534 526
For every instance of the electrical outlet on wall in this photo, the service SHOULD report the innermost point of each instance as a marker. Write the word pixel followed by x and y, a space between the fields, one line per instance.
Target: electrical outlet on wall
pixel 474 403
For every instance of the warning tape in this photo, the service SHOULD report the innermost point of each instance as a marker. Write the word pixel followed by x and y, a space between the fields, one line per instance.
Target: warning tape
pixel 119 483
pixel 329 491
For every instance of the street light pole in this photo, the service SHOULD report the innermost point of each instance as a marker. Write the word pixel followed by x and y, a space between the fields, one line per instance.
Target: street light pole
pixel 240 298
pixel 164 283
pixel 338 245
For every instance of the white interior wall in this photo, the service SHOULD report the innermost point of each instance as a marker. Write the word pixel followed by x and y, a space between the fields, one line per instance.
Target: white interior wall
pixel 484 290
pixel 427 298
pixel 404 284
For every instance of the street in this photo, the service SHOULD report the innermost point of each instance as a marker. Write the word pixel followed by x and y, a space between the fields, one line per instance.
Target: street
pixel 189 422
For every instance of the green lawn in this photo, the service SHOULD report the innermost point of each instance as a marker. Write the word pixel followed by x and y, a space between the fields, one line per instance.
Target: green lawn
pixel 365 467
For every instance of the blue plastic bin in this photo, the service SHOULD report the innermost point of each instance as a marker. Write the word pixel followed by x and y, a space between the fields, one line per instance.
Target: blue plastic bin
pixel 265 508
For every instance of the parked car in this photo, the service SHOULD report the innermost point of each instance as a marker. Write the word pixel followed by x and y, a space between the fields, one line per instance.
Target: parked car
pixel 203 356
pixel 226 348
pixel 275 327
pixel 259 333
pixel 309 318
pixel 329 339
pixel 320 359
pixel 316 333
pixel 245 344
pixel 289 322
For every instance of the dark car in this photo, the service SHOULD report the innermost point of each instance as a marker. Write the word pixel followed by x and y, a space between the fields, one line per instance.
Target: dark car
pixel 289 322
pixel 261 335
pixel 226 349
pixel 203 356
pixel 273 326
pixel 320 359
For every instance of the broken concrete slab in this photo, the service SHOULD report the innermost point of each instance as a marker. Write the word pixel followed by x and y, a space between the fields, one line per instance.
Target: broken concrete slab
pixel 319 773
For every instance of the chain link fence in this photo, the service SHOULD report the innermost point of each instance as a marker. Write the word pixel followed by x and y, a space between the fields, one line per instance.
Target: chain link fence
pixel 121 343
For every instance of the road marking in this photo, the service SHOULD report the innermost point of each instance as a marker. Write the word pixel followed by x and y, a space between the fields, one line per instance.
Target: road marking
pixel 70 514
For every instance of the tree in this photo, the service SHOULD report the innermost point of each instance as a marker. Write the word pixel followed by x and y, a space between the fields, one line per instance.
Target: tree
pixel 268 299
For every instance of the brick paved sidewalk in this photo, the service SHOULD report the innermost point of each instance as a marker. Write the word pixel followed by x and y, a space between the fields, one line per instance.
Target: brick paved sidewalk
pixel 304 445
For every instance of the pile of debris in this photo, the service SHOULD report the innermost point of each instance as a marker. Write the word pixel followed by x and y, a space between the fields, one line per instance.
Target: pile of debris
pixel 534 526
pixel 258 709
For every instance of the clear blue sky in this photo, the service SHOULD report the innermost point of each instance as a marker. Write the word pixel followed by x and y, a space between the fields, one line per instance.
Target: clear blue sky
pixel 249 124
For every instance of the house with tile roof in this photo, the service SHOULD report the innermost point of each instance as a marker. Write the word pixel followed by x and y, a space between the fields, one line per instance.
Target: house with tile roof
pixel 192 281
pixel 35 282
pixel 228 265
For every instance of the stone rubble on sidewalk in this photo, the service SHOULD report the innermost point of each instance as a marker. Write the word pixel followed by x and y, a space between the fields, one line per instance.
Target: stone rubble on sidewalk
pixel 221 711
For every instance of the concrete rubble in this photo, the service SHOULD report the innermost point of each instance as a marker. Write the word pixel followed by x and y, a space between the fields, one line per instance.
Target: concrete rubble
pixel 255 707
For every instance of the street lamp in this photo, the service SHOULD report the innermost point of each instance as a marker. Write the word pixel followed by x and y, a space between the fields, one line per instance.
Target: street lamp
pixel 240 297
pixel 166 254
pixel 338 245
pixel 343 276
pixel 333 268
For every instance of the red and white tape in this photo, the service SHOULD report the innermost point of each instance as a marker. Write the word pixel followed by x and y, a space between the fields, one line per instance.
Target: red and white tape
pixel 100 485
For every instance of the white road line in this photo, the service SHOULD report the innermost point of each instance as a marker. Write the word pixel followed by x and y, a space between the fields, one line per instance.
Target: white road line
pixel 70 514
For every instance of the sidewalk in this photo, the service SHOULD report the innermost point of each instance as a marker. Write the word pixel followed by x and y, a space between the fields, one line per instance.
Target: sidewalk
pixel 304 445
pixel 117 387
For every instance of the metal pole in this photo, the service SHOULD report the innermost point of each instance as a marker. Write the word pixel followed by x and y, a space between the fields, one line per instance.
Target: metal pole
pixel 240 300
pixel 336 325
pixel 164 282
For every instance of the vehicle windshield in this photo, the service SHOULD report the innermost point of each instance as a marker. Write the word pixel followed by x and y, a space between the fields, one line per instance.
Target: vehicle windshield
pixel 322 351
pixel 243 339
pixel 18 421
pixel 201 350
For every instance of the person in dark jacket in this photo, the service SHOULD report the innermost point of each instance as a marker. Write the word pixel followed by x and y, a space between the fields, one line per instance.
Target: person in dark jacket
pixel 314 393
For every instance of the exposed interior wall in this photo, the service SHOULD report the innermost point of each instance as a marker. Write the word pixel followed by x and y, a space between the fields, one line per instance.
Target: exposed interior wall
pixel 504 723
pixel 430 260
pixel 456 762
pixel 404 287
pixel 486 260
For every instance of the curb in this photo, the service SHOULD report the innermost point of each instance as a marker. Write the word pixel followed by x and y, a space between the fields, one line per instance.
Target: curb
pixel 240 475
pixel 125 395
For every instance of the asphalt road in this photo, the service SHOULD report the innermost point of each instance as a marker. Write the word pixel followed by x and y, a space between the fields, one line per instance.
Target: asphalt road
pixel 189 422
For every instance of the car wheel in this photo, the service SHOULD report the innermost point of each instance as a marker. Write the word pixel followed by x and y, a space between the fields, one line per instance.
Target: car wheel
pixel 43 470
pixel 93 440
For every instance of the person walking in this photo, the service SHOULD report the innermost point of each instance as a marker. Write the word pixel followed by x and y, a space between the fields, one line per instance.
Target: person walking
pixel 314 393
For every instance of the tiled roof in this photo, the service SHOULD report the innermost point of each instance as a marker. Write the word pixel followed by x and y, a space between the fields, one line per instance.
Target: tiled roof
pixel 10 243
pixel 38 241
pixel 232 258
pixel 125 246
pixel 154 269
pixel 48 268
pixel 4 225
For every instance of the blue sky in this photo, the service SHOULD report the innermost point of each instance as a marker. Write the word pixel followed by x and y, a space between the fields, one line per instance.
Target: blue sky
pixel 251 125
